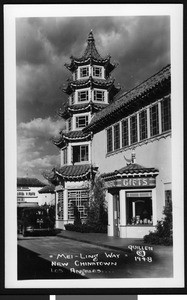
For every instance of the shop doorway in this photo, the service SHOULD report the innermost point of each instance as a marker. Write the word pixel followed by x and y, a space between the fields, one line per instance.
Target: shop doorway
pixel 116 214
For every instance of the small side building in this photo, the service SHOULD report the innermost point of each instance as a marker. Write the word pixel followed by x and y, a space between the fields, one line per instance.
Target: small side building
pixel 47 195
pixel 28 191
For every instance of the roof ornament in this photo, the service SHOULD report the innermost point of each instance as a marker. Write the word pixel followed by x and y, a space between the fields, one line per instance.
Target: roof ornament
pixel 131 160
pixel 90 36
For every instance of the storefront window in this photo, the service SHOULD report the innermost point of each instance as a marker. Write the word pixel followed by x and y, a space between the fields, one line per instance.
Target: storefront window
pixel 78 199
pixel 139 208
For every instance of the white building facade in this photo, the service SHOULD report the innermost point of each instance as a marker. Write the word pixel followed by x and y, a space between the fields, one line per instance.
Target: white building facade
pixel 135 157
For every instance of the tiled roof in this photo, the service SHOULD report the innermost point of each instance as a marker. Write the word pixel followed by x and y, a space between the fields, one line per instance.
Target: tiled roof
pixel 125 100
pixel 131 169
pixel 101 83
pixel 71 136
pixel 90 106
pixel 29 182
pixel 74 172
pixel 47 189
pixel 91 54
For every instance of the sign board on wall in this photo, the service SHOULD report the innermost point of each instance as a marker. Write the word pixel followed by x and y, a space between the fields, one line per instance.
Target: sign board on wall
pixel 132 182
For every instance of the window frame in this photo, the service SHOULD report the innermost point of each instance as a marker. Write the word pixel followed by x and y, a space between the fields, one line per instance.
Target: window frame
pixel 100 71
pixel 80 154
pixel 143 131
pixel 154 120
pixel 133 129
pixel 79 95
pixel 109 139
pixel 102 92
pixel 77 120
pixel 166 125
pixel 82 70
pixel 117 136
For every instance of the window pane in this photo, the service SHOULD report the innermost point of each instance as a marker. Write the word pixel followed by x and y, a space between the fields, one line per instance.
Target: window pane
pixel 81 121
pixel 76 154
pixel 80 153
pixel 133 129
pixel 82 96
pixel 139 210
pixel 97 71
pixel 143 125
pixel 99 96
pixel 166 114
pixel 84 153
pixel 84 72
pixel 109 140
pixel 116 137
pixel 154 121
pixel 125 133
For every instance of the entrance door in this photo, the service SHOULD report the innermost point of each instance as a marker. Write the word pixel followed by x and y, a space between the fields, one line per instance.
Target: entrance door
pixel 116 214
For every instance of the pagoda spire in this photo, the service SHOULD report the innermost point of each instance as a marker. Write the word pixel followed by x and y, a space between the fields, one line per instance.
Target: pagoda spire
pixel 91 50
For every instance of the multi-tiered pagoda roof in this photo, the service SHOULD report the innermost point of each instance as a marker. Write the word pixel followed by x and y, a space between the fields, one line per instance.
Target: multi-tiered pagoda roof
pixel 90 56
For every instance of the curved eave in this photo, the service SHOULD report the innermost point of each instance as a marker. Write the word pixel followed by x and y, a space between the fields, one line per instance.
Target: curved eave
pixel 75 62
pixel 90 82
pixel 116 175
pixel 83 176
pixel 91 106
pixel 64 140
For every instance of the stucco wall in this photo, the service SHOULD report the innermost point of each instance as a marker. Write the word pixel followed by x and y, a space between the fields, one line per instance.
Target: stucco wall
pixel 155 154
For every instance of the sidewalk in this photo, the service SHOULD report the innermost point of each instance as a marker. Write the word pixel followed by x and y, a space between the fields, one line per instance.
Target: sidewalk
pixel 102 240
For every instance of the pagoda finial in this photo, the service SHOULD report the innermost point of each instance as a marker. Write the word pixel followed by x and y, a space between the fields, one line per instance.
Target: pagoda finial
pixel 90 36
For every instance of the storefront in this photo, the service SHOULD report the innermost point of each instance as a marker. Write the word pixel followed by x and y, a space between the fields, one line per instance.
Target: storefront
pixel 131 197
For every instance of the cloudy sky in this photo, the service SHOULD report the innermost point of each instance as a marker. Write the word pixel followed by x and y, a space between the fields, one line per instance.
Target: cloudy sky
pixel 141 46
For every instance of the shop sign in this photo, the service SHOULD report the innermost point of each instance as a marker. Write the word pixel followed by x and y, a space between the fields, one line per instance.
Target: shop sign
pixel 132 182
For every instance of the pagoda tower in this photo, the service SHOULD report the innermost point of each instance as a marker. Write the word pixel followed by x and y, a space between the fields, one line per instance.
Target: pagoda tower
pixel 89 90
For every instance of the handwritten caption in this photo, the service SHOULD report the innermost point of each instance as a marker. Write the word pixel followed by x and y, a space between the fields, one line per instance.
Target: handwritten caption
pixel 82 263
pixel 142 253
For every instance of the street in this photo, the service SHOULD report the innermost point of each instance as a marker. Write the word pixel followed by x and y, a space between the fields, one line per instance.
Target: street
pixel 54 257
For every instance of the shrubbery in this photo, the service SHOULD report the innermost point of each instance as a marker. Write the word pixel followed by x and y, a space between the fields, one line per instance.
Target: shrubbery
pixel 163 235
pixel 97 219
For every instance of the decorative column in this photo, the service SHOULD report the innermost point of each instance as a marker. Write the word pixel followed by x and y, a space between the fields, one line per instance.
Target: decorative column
pixel 109 198
pixel 123 217
pixel 154 208
pixel 65 206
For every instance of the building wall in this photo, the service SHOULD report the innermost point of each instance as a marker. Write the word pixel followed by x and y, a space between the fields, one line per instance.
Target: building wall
pixel 156 154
